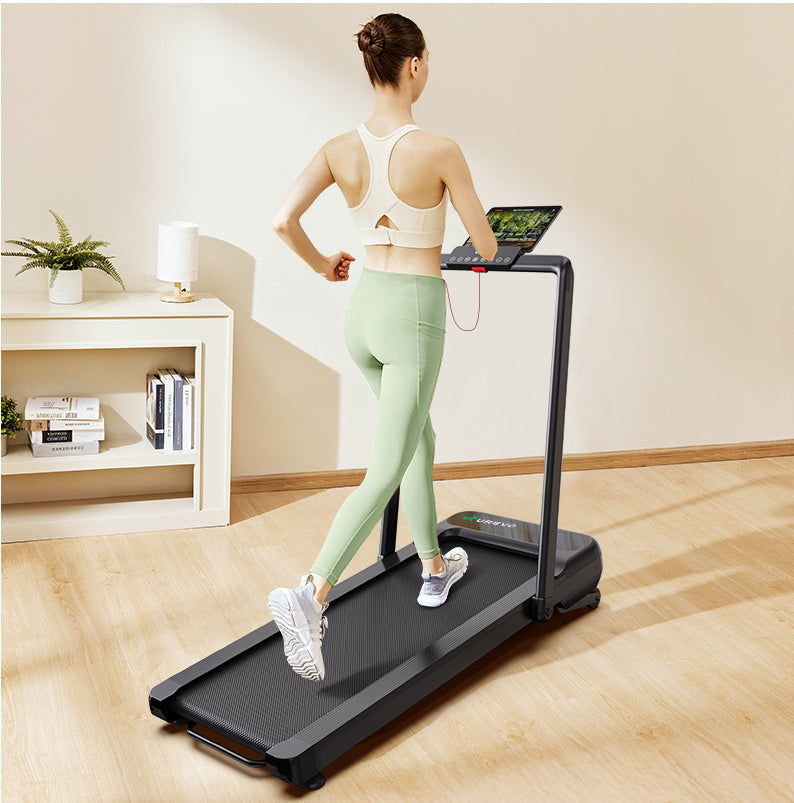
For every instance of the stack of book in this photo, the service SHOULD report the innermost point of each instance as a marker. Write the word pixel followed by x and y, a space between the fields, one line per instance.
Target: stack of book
pixel 170 402
pixel 64 425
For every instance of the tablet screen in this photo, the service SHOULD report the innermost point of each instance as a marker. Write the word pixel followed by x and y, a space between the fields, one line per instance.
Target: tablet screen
pixel 520 225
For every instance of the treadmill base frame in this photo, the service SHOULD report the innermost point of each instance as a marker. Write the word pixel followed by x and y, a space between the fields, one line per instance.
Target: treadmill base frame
pixel 299 760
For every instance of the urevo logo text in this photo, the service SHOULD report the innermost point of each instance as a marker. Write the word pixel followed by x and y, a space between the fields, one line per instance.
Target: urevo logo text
pixel 490 521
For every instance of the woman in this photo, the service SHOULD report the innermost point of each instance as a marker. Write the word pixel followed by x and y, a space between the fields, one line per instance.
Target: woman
pixel 395 179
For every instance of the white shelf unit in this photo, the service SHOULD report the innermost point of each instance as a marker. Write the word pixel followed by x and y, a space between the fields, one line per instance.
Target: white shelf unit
pixel 104 347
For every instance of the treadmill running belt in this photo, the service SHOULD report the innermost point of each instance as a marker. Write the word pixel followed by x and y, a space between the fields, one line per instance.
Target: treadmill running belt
pixel 258 701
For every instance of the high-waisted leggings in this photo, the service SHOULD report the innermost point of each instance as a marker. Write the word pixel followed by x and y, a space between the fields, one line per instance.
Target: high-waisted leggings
pixel 394 330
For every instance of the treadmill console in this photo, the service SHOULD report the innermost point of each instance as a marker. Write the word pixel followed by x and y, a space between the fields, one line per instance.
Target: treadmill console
pixel 466 256
pixel 517 230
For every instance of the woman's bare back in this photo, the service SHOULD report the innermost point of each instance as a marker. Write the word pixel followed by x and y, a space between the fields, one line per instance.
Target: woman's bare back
pixel 414 176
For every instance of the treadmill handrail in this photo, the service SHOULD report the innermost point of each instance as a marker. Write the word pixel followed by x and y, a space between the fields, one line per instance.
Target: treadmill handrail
pixel 542 604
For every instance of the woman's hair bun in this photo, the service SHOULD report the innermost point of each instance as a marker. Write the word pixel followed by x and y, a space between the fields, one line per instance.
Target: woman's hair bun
pixel 371 39
pixel 387 41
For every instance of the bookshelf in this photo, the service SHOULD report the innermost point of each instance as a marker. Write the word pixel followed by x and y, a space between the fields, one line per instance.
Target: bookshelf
pixel 104 347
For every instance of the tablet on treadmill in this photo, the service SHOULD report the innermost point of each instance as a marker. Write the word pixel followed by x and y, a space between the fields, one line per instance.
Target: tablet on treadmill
pixel 520 225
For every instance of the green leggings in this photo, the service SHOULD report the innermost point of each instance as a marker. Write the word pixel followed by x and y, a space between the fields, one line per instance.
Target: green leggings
pixel 394 330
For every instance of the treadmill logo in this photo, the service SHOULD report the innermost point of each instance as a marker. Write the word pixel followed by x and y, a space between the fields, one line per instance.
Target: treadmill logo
pixel 490 521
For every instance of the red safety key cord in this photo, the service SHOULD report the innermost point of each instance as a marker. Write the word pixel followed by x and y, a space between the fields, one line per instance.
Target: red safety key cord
pixel 479 272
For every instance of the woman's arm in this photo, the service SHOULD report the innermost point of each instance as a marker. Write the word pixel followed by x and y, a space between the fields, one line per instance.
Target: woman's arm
pixel 286 222
pixel 455 174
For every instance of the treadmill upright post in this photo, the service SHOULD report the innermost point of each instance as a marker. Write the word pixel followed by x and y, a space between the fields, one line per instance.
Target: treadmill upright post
pixel 388 526
pixel 542 604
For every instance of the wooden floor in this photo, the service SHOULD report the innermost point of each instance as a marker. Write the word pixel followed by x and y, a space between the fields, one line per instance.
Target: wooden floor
pixel 679 687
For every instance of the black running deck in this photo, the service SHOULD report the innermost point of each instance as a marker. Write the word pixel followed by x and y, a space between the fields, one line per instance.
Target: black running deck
pixel 383 652
pixel 259 701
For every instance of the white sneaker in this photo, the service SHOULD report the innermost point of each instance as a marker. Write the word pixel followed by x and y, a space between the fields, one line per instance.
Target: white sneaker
pixel 300 619
pixel 436 586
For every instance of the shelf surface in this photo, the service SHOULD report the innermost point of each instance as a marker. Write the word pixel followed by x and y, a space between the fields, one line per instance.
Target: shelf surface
pixel 82 509
pixel 85 517
pixel 138 454
pixel 111 305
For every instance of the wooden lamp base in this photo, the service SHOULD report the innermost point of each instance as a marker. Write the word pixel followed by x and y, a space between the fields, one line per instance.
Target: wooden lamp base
pixel 177 295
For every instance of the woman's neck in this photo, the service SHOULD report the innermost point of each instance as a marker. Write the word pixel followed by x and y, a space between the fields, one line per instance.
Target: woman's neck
pixel 392 109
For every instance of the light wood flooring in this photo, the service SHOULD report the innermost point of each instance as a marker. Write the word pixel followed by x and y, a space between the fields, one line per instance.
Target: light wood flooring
pixel 679 687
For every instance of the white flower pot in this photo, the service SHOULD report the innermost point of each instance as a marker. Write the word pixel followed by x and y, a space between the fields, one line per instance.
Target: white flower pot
pixel 5 446
pixel 67 287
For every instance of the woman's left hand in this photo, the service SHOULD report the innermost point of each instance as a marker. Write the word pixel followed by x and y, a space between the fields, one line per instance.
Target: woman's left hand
pixel 335 267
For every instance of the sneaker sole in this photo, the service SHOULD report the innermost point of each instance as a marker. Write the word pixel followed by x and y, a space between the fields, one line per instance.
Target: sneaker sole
pixel 435 602
pixel 289 621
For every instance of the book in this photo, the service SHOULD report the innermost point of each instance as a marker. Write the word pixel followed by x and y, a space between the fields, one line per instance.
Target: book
pixel 155 413
pixel 60 424
pixel 64 407
pixel 168 407
pixel 187 412
pixel 64 449
pixel 178 405
pixel 66 436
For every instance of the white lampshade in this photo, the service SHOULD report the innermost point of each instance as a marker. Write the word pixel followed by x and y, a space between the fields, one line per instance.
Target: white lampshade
pixel 177 251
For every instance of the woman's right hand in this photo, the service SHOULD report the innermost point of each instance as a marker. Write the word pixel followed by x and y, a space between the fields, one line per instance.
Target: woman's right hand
pixel 335 267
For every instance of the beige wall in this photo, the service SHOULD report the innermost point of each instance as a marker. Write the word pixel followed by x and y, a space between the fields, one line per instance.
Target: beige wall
pixel 665 132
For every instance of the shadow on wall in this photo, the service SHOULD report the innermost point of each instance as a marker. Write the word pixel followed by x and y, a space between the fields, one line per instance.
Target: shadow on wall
pixel 293 419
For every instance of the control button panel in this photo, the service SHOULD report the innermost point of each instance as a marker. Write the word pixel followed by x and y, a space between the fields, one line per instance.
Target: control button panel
pixel 466 256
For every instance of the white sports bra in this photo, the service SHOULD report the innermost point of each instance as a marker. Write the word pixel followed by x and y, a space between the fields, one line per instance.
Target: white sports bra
pixel 416 228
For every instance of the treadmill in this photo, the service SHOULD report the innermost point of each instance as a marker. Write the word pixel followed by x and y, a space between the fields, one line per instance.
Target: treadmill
pixel 383 652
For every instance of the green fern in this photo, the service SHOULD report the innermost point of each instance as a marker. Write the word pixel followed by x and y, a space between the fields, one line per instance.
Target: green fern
pixel 14 253
pixel 34 263
pixel 89 243
pixel 66 238
pixel 29 244
pixel 63 255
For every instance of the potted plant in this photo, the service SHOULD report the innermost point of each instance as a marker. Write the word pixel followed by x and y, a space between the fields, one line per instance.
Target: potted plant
pixel 12 420
pixel 66 262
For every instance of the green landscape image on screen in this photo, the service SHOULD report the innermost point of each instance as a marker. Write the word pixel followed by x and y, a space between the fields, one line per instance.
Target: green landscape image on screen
pixel 519 227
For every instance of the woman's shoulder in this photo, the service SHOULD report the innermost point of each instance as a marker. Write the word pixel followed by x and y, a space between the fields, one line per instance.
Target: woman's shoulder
pixel 341 140
pixel 436 145
pixel 341 152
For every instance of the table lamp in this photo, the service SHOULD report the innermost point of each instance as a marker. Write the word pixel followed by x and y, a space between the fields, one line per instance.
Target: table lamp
pixel 177 258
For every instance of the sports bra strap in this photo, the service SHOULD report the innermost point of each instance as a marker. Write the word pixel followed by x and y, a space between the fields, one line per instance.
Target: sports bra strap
pixel 411 227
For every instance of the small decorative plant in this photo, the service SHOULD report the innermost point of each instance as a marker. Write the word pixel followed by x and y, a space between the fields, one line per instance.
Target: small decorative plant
pixel 63 255
pixel 12 419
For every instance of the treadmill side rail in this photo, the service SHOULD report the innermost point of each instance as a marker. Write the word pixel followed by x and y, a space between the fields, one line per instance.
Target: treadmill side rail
pixel 301 757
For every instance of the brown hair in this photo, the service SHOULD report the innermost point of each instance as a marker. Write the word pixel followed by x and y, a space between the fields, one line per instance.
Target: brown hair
pixel 386 42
